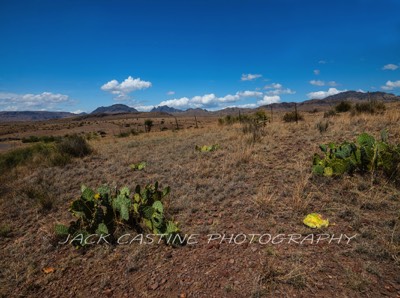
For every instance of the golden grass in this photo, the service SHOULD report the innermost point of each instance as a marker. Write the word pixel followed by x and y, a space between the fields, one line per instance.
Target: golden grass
pixel 244 187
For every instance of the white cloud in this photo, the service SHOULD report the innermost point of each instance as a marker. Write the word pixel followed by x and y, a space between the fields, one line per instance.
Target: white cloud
pixel 77 112
pixel 210 100
pixel 317 83
pixel 245 106
pixel 317 72
pixel 323 94
pixel 121 90
pixel 170 92
pixel 273 86
pixel 277 89
pixel 390 66
pixel 322 62
pixel 249 94
pixel 281 91
pixel 391 85
pixel 141 108
pixel 269 100
pixel 42 101
pixel 322 83
pixel 176 102
pixel 250 77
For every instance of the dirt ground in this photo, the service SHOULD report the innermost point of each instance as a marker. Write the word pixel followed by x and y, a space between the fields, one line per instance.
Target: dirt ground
pixel 243 188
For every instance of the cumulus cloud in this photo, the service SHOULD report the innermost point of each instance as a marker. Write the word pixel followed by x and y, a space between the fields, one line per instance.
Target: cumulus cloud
pixel 245 106
pixel 210 100
pixel 323 83
pixel 170 92
pixel 316 71
pixel 273 86
pixel 390 66
pixel 391 85
pixel 277 89
pixel 31 102
pixel 250 77
pixel 142 108
pixel 269 100
pixel 121 90
pixel 317 83
pixel 323 94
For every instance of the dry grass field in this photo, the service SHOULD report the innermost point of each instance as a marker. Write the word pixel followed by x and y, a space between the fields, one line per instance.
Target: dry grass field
pixel 244 187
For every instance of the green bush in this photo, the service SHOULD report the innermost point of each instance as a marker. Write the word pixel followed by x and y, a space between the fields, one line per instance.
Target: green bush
pixel 372 107
pixel 148 124
pixel 75 146
pixel 23 156
pixel 50 154
pixel 292 117
pixel 343 106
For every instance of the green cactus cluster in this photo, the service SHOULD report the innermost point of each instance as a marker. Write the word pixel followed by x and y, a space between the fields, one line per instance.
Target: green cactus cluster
pixel 103 211
pixel 139 166
pixel 365 155
pixel 206 148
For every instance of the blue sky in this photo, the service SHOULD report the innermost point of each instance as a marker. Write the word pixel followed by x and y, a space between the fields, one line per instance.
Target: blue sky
pixel 78 55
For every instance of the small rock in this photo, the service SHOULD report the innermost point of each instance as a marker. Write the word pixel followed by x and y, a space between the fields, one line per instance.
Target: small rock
pixel 108 292
pixel 154 286
pixel 232 261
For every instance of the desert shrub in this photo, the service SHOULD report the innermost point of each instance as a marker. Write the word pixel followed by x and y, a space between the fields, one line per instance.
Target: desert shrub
pixel 5 231
pixel 74 145
pixel 343 106
pixel 40 196
pixel 123 134
pixel 330 113
pixel 23 156
pixel 104 213
pixel 322 126
pixel 366 155
pixel 50 154
pixel 148 124
pixel 292 117
pixel 228 120
pixel 371 107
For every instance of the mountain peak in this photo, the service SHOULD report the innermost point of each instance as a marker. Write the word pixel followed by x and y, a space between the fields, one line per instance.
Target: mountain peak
pixel 115 109
pixel 165 109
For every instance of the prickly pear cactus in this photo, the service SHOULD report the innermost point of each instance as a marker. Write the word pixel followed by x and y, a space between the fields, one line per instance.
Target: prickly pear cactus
pixel 206 148
pixel 365 155
pixel 102 212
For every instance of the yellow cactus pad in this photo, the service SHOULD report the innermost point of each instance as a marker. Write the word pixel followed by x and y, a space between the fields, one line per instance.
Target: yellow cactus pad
pixel 315 220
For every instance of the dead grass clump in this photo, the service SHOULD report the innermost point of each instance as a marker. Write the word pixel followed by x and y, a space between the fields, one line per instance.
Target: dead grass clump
pixel 75 146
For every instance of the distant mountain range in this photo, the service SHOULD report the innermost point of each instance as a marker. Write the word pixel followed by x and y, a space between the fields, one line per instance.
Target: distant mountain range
pixel 33 115
pixel 165 109
pixel 353 96
pixel 115 109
